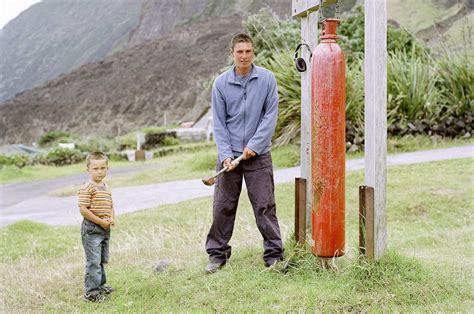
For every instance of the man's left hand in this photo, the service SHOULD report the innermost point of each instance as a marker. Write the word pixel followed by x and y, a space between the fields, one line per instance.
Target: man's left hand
pixel 248 153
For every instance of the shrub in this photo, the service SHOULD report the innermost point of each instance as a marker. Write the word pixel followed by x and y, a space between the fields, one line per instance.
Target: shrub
pixel 17 160
pixel 411 87
pixel 170 141
pixel 456 84
pixel 288 80
pixel 60 157
pixel 274 42
pixel 53 136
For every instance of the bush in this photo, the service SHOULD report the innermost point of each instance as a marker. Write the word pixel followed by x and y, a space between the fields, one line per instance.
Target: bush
pixel 60 157
pixel 170 141
pixel 456 84
pixel 18 160
pixel 274 41
pixel 53 136
pixel 411 87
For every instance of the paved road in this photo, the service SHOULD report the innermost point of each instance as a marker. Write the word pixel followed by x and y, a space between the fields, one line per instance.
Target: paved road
pixel 30 200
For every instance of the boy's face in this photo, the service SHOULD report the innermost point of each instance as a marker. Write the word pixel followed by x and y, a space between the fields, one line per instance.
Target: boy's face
pixel 97 169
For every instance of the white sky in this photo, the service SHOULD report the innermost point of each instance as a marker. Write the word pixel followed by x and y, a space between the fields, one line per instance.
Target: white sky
pixel 9 9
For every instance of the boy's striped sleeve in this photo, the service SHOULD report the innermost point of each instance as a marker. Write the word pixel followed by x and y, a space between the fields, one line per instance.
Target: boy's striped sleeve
pixel 84 196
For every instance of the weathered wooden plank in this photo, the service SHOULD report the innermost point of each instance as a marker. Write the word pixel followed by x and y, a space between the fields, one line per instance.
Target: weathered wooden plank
pixel 300 210
pixel 309 33
pixel 366 221
pixel 301 8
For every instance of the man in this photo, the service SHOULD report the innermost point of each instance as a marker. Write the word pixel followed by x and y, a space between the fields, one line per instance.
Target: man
pixel 245 111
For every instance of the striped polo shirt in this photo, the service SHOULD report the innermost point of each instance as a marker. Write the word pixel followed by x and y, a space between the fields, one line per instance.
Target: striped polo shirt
pixel 97 198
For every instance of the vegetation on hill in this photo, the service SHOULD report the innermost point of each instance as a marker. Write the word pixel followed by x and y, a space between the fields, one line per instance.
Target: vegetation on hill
pixel 426 94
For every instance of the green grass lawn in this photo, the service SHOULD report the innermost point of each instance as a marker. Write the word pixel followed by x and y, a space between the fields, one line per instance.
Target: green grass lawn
pixel 427 268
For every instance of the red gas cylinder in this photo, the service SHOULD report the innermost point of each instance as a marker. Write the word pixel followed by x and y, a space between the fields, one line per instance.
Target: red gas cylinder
pixel 328 97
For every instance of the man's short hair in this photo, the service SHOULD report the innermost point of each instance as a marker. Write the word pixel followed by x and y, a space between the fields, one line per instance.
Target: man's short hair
pixel 240 38
pixel 96 156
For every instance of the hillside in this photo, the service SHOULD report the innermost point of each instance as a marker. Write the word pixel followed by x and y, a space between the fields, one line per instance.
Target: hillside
pixel 54 37
pixel 148 59
pixel 127 90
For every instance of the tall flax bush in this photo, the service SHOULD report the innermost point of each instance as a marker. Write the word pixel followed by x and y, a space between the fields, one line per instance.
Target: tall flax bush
pixel 411 87
pixel 355 94
pixel 456 84
pixel 289 89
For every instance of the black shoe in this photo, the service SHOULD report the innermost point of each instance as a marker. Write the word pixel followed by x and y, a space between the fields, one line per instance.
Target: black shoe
pixel 272 262
pixel 106 289
pixel 94 297
pixel 213 267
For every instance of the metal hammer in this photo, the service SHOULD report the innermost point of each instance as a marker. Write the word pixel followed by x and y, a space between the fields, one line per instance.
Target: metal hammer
pixel 211 180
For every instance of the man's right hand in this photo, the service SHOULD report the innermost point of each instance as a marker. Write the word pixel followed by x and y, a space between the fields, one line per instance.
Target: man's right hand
pixel 229 164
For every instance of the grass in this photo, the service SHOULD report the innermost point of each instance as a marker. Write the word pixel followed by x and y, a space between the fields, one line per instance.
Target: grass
pixel 417 15
pixel 427 268
pixel 191 165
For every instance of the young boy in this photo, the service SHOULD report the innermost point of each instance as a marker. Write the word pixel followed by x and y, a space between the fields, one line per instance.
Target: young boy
pixel 95 203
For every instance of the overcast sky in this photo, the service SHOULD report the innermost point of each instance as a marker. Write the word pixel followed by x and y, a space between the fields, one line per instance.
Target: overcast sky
pixel 9 9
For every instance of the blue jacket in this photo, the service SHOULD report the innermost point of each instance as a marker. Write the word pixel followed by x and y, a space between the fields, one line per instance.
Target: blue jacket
pixel 244 115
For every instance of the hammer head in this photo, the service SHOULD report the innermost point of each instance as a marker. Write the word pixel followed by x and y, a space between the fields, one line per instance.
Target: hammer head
pixel 209 181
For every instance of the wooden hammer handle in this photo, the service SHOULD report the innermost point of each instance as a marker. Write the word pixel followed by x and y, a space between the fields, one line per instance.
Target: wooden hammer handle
pixel 235 161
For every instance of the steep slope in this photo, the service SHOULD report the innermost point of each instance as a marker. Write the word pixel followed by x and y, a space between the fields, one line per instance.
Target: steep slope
pixel 128 90
pixel 56 36
pixel 158 17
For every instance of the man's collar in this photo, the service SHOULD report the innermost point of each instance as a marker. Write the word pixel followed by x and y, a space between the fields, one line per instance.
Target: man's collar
pixel 233 75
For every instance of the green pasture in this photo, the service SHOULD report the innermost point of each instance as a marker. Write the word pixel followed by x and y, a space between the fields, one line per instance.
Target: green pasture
pixel 427 267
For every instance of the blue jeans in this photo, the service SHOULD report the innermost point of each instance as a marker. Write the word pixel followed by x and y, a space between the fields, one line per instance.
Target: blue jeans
pixel 95 241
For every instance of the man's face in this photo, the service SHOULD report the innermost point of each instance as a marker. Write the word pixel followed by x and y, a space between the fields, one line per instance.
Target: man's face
pixel 97 169
pixel 243 55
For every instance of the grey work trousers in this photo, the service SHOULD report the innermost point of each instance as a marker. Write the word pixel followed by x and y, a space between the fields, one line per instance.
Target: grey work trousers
pixel 95 241
pixel 258 174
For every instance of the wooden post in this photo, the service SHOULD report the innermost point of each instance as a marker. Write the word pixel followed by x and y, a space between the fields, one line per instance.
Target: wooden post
pixel 309 32
pixel 375 85
pixel 300 210
pixel 308 11
pixel 366 221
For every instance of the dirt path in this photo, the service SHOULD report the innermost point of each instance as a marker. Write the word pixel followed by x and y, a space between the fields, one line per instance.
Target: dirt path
pixel 29 201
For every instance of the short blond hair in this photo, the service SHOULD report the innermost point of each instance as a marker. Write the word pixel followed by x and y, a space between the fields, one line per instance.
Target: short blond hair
pixel 96 156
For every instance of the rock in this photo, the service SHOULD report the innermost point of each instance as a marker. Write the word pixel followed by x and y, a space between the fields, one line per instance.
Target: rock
pixel 460 125
pixel 411 126
pixel 161 265
pixel 358 140
pixel 436 138
pixel 354 148
pixel 467 135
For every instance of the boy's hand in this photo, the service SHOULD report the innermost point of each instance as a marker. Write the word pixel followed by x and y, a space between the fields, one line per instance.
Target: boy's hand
pixel 112 221
pixel 105 223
